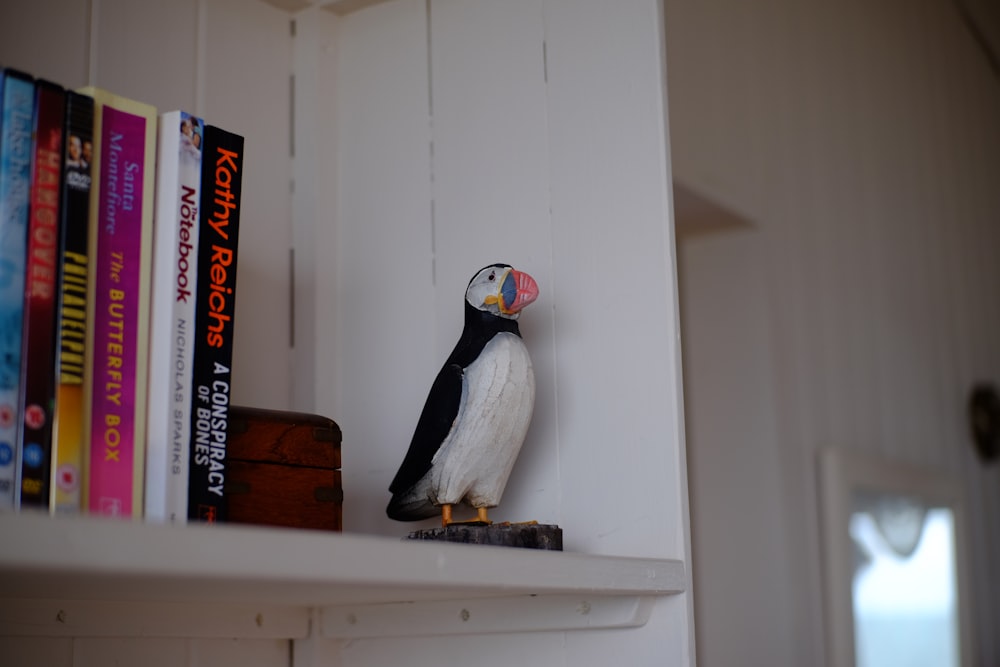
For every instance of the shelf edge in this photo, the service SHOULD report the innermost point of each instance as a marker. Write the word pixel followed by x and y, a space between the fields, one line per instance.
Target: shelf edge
pixel 528 613
pixel 87 558
pixel 100 618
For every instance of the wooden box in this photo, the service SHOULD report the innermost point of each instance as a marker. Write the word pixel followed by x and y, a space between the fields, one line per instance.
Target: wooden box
pixel 283 469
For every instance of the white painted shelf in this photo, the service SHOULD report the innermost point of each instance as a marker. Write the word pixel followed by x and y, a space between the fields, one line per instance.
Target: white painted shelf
pixel 397 147
pixel 365 585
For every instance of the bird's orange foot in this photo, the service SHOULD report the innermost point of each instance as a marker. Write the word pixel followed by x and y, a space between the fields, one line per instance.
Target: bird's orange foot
pixel 482 519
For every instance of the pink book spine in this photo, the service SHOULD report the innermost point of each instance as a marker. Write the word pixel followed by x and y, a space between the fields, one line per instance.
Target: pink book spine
pixel 113 437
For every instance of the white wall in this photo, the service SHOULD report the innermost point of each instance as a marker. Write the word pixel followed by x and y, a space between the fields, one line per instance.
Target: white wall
pixel 738 540
pixel 174 54
pixel 861 140
pixel 193 55
pixel 502 134
pixel 463 133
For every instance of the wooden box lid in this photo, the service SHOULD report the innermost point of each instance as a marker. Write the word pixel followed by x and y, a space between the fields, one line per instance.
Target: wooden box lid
pixel 283 437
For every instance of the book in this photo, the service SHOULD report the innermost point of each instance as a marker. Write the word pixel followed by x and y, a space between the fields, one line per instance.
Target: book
pixel 175 267
pixel 17 101
pixel 120 247
pixel 218 237
pixel 38 346
pixel 72 306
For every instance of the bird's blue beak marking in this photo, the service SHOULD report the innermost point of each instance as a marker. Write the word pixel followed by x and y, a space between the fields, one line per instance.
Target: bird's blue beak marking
pixel 508 291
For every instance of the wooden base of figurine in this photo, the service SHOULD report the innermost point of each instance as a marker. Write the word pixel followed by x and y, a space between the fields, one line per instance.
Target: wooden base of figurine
pixel 529 535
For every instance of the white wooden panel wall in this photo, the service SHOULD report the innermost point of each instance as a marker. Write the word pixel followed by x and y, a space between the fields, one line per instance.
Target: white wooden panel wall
pixel 620 434
pixel 380 315
pixel 148 48
pixel 225 59
pixel 491 173
pixel 482 132
pixel 521 143
pixel 48 38
pixel 862 140
pixel 314 203
pixel 181 55
pixel 734 458
pixel 247 67
pixel 464 133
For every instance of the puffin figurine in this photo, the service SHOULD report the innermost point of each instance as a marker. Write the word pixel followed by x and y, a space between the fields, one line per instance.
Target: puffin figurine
pixel 477 411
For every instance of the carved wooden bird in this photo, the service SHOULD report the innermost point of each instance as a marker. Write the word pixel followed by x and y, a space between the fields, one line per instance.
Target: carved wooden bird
pixel 477 412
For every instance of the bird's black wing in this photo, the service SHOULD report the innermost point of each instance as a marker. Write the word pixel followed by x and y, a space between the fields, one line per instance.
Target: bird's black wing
pixel 436 420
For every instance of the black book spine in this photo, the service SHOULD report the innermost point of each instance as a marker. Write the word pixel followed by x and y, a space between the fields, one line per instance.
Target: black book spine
pixel 72 307
pixel 222 168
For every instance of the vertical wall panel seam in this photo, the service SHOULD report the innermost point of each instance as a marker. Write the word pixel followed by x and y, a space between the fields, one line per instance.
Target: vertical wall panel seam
pixel 93 8
pixel 556 423
pixel 200 58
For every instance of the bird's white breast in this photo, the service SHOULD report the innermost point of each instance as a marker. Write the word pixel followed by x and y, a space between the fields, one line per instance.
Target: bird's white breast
pixel 498 396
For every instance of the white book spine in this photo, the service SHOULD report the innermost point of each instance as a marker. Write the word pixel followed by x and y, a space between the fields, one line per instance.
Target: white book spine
pixel 178 188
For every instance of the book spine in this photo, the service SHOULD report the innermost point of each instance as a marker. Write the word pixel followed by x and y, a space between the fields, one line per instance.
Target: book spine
pixel 72 307
pixel 222 167
pixel 119 335
pixel 38 349
pixel 175 266
pixel 17 97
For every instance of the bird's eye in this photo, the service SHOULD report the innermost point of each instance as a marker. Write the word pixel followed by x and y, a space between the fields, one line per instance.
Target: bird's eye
pixel 493 276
